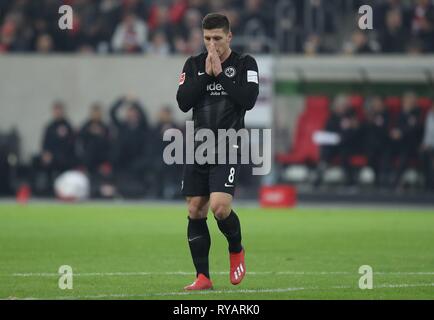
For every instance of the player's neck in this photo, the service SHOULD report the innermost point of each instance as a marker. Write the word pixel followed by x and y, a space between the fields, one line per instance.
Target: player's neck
pixel 226 55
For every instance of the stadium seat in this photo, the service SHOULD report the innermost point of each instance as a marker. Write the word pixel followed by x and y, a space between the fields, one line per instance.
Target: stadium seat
pixel 317 104
pixel 313 118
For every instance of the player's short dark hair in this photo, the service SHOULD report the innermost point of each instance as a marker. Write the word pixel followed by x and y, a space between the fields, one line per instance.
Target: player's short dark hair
pixel 216 21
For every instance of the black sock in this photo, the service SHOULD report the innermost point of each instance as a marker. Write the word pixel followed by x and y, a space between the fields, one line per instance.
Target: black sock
pixel 199 241
pixel 231 228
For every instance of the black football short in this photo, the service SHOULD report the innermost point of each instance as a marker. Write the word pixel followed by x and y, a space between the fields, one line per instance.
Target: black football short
pixel 202 180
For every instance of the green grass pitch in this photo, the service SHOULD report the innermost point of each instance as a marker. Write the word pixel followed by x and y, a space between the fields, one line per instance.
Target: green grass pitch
pixel 141 252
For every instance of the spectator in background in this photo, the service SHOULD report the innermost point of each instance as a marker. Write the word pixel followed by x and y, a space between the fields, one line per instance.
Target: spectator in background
pixel 94 37
pixel 191 20
pixel 131 35
pixel 158 15
pixel 405 137
pixel 359 44
pixel 218 5
pixel 313 45
pixel 44 43
pixel 180 45
pixel 14 34
pixel 186 38
pixel 394 37
pixel 201 5
pixel 428 150
pixel 376 137
pixel 195 42
pixel 344 122
pixel 234 18
pixel 256 28
pixel 58 150
pixel 159 19
pixel 256 15
pixel 383 8
pixel 99 26
pixel 422 24
pixel 130 145
pixel 166 178
pixel 110 13
pixel 94 140
pixel 140 7
pixel 158 44
pixel 177 11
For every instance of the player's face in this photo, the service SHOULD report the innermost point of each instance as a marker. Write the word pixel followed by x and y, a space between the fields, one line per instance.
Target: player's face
pixel 219 38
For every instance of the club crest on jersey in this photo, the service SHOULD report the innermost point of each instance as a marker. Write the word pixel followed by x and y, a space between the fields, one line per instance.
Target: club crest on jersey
pixel 182 78
pixel 230 72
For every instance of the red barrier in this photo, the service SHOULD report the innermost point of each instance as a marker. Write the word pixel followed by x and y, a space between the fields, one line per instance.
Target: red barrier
pixel 278 196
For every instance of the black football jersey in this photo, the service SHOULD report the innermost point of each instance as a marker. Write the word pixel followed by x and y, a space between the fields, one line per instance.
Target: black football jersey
pixel 219 102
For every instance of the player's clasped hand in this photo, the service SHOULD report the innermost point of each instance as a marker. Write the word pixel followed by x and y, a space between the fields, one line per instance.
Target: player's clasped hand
pixel 213 63
pixel 208 65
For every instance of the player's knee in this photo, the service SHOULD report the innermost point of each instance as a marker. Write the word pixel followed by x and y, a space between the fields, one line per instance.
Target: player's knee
pixel 196 211
pixel 220 210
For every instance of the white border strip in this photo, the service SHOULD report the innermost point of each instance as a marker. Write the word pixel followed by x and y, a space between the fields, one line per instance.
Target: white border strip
pixel 184 273
pixel 210 292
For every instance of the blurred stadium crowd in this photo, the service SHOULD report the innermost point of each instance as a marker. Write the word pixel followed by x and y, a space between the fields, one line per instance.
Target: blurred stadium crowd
pixel 164 27
pixel 389 135
pixel 123 156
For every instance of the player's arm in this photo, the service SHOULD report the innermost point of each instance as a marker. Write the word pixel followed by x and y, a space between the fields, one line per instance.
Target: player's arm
pixel 191 86
pixel 246 92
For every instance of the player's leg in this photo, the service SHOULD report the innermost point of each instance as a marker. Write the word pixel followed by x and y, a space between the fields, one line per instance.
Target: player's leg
pixel 227 219
pixel 229 224
pixel 223 179
pixel 199 241
pixel 198 234
pixel 195 189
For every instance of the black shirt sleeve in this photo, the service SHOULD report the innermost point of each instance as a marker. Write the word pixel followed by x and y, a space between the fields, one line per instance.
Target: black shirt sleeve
pixel 246 91
pixel 191 86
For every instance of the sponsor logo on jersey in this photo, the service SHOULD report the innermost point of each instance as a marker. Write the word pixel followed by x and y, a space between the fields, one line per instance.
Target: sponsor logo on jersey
pixel 215 89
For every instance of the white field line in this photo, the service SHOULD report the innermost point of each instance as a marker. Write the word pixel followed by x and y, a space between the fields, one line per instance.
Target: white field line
pixel 241 291
pixel 183 273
